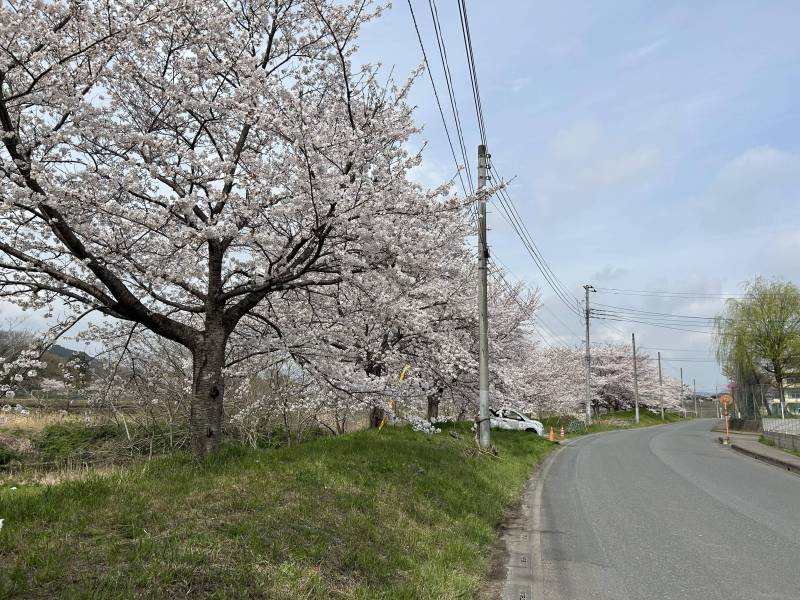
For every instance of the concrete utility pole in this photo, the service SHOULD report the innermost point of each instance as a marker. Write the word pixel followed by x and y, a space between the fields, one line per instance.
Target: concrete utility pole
pixel 680 397
pixel 635 376
pixel 484 426
pixel 588 288
pixel 661 386
pixel 694 392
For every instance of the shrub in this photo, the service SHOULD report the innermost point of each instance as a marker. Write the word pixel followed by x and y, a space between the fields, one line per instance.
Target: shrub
pixel 7 455
pixel 70 440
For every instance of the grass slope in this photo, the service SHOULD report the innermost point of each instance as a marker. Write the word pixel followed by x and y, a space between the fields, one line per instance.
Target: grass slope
pixel 613 421
pixel 369 515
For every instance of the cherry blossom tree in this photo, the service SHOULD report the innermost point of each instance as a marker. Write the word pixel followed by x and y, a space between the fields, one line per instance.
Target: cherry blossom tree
pixel 179 164
pixel 559 380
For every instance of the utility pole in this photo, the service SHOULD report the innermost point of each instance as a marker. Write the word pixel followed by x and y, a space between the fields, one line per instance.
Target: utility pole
pixel 484 426
pixel 588 288
pixel 635 376
pixel 681 397
pixel 694 392
pixel 661 386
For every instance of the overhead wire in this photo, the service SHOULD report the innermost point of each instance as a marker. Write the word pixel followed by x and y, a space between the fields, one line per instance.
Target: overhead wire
pixel 439 104
pixel 473 72
pixel 448 76
pixel 513 218
pixel 537 321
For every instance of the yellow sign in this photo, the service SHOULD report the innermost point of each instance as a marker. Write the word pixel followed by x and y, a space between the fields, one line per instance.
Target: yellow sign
pixel 726 400
pixel 404 372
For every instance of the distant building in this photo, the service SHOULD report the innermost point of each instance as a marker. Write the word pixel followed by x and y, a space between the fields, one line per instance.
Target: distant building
pixel 791 392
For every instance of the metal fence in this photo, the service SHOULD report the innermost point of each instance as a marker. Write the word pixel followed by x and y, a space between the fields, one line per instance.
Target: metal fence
pixel 782 432
pixel 789 426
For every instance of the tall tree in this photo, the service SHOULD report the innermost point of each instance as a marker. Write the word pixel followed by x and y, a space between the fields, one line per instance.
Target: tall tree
pixel 176 163
pixel 761 330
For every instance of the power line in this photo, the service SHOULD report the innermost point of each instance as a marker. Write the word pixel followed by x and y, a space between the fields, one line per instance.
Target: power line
pixel 512 218
pixel 687 295
pixel 708 351
pixel 509 211
pixel 508 205
pixel 448 76
pixel 473 72
pixel 654 320
pixel 439 104
pixel 538 324
pixel 543 305
pixel 625 309
pixel 655 325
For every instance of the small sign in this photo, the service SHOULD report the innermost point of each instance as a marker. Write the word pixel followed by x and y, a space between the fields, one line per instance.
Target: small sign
pixel 726 400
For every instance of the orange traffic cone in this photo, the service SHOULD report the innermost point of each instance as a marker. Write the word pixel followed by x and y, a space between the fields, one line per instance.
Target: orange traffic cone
pixel 562 432
pixel 552 435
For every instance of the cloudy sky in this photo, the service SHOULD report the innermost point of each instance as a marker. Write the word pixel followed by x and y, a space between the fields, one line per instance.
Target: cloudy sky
pixel 655 147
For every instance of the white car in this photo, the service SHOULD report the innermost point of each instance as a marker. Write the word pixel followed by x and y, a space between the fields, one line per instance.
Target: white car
pixel 507 418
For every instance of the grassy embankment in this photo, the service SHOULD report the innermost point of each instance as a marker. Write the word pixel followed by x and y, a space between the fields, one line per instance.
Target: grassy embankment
pixel 611 422
pixel 396 514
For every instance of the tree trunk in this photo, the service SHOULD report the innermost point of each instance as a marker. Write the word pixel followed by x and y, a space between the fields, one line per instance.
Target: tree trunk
pixel 208 387
pixel 376 416
pixel 377 413
pixel 433 406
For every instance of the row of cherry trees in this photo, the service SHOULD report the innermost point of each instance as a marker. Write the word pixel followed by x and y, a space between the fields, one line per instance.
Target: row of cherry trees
pixel 222 185
pixel 559 381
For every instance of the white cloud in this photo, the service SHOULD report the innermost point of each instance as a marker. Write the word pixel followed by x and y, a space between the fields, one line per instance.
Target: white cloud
pixel 644 51
pixel 758 188
pixel 430 174
pixel 520 83
pixel 608 274
pixel 577 142
pixel 588 164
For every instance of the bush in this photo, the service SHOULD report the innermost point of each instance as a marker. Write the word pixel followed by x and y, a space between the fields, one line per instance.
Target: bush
pixel 70 440
pixel 7 455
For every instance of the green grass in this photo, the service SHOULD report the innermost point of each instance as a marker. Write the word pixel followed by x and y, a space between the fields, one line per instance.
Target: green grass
pixel 610 422
pixel 368 515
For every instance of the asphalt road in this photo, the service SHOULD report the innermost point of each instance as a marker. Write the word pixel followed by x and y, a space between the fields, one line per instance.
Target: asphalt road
pixel 663 513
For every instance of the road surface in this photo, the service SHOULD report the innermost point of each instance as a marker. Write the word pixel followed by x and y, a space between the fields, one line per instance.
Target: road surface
pixel 663 513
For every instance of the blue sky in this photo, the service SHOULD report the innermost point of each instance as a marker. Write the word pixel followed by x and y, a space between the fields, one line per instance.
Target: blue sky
pixel 654 144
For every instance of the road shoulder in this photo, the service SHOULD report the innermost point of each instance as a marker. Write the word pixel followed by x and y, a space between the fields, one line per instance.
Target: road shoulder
pixel 511 573
pixel 751 447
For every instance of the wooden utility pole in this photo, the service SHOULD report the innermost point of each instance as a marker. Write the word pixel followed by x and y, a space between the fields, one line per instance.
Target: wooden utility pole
pixel 635 376
pixel 484 426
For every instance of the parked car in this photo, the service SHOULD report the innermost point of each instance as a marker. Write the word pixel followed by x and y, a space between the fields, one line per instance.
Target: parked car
pixel 507 418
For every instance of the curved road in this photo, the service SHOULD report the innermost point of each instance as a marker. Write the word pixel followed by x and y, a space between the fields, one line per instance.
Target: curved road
pixel 663 513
